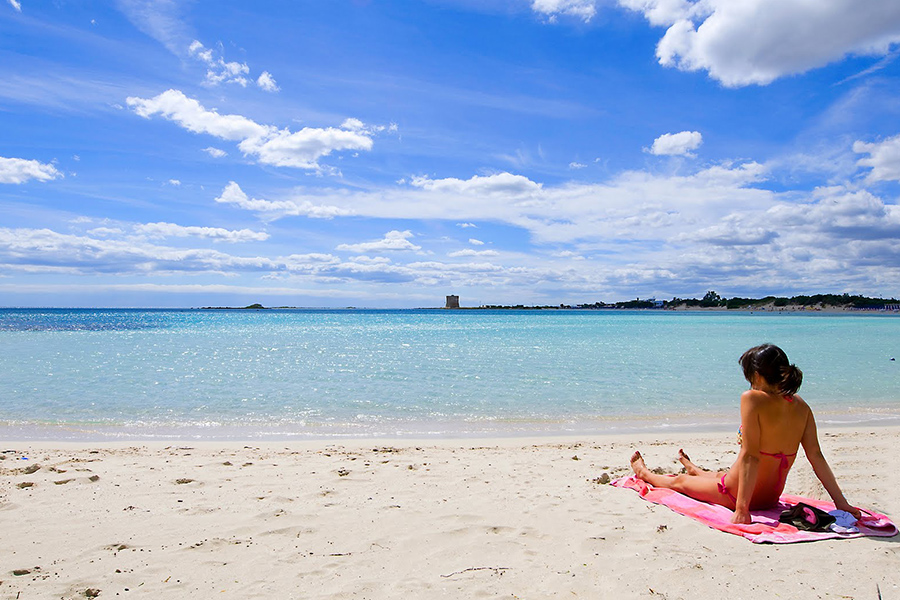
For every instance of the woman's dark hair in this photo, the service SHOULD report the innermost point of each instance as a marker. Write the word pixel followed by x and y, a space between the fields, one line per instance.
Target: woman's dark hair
pixel 772 363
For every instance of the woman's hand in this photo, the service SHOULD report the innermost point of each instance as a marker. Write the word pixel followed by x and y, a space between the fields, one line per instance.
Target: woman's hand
pixel 741 517
pixel 847 507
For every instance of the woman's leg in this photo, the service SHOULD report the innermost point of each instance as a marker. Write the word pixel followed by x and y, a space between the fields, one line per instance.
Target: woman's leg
pixel 701 488
pixel 693 469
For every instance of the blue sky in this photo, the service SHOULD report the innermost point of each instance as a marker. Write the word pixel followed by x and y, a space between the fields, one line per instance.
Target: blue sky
pixel 388 153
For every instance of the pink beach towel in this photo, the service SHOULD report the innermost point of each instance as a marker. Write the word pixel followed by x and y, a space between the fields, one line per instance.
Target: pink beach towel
pixel 765 526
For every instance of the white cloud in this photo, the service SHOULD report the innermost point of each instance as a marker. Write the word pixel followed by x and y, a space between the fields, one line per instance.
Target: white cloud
pixel 745 42
pixel 581 9
pixel 467 225
pixel 302 149
pixel 49 251
pixel 475 242
pixel 505 184
pixel 576 165
pixel 16 5
pixel 20 170
pixel 218 70
pixel 165 230
pixel 174 182
pixel 657 235
pixel 884 158
pixel 280 147
pixel 626 207
pixel 662 13
pixel 158 19
pixel 233 194
pixel 267 82
pixel 215 152
pixel 393 241
pixel 471 252
pixel 106 231
pixel 676 144
pixel 568 254
pixel 191 115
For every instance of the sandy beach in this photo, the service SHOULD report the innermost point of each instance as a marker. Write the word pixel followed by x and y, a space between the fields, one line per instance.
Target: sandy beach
pixel 506 518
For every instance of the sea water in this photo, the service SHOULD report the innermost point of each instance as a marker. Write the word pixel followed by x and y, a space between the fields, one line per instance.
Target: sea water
pixel 295 374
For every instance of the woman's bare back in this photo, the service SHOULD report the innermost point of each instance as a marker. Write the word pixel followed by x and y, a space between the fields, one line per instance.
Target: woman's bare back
pixel 782 421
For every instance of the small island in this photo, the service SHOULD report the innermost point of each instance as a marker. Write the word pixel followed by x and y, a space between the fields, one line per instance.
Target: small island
pixel 256 306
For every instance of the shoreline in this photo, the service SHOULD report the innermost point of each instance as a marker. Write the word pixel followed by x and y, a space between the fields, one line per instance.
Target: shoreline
pixel 434 518
pixel 49 436
pixel 873 417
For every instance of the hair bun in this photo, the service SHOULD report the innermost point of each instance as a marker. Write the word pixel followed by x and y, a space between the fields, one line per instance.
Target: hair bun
pixel 791 378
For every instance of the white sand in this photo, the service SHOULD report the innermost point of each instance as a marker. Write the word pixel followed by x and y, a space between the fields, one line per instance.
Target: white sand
pixel 454 519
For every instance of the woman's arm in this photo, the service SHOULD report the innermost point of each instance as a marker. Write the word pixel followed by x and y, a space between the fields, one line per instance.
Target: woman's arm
pixel 820 466
pixel 747 464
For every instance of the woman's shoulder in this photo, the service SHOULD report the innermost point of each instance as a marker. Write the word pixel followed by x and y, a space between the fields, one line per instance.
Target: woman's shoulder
pixel 755 397
pixel 800 403
pixel 759 400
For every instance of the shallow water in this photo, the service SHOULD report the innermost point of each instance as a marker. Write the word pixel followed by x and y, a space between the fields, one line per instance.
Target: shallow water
pixel 289 374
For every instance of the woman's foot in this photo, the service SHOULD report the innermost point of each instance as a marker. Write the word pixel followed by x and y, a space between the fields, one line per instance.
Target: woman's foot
pixel 637 465
pixel 689 466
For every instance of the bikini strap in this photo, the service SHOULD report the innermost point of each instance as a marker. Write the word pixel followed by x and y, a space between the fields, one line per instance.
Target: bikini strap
pixel 783 465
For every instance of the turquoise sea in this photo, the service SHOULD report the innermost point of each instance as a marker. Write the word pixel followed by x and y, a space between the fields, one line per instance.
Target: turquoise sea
pixel 299 374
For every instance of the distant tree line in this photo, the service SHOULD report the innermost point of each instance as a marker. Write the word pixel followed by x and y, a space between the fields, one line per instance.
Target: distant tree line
pixel 711 300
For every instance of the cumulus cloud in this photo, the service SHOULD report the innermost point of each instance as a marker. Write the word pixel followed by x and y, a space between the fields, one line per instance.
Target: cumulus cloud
pixel 571 254
pixel 393 241
pixel 44 249
pixel 627 206
pixel 505 184
pixel 475 242
pixel 280 147
pixel 676 144
pixel 471 252
pixel 166 230
pixel 884 158
pixel 191 115
pixel 20 170
pixel 302 149
pixel 234 195
pixel 657 235
pixel 218 70
pixel 267 82
pixel 577 165
pixel 745 42
pixel 215 152
pixel 580 9
pixel 174 182
pixel 727 234
pixel 106 231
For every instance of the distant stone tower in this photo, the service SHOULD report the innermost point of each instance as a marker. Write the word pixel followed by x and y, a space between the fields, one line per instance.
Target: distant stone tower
pixel 452 302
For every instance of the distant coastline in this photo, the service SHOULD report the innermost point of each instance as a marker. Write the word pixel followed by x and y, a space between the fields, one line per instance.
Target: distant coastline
pixel 711 301
pixel 714 302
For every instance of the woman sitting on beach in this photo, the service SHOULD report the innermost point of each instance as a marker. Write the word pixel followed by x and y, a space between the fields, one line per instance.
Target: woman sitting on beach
pixel 774 423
